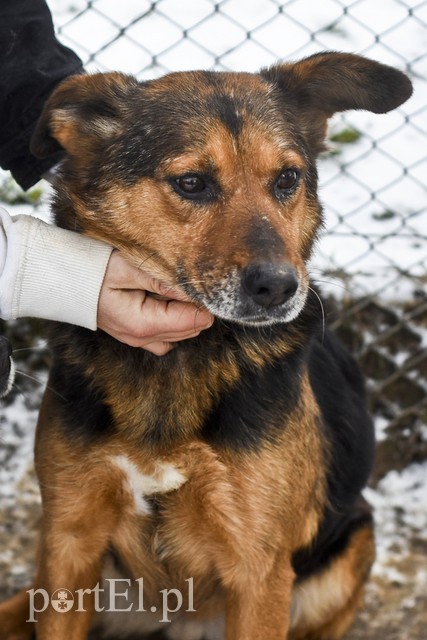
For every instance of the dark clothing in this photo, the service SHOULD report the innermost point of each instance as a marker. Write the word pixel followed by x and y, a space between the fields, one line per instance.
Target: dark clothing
pixel 32 63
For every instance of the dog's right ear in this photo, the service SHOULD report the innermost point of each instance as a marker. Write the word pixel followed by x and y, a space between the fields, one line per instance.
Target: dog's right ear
pixel 82 113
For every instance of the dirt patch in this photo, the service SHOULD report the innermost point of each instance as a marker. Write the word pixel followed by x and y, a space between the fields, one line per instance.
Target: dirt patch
pixel 396 609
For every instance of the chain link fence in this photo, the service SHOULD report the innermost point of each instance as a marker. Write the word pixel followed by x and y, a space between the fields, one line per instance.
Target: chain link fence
pixel 372 259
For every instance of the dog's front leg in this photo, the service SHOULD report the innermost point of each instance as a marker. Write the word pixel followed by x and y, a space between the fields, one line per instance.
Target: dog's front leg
pixel 260 609
pixel 77 530
pixel 82 506
pixel 67 589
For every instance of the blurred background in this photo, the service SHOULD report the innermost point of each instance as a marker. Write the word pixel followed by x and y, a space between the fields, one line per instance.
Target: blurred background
pixel 371 261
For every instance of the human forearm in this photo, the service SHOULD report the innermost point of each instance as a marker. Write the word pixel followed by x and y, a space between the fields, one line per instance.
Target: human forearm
pixel 50 273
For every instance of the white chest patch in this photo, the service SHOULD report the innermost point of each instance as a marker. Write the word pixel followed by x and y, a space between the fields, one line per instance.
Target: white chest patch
pixel 165 478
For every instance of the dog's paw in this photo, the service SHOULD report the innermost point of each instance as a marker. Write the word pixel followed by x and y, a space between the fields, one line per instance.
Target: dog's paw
pixel 7 369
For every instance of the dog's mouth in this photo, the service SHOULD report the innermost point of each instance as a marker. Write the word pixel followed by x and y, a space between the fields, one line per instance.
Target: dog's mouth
pixel 258 295
pixel 246 312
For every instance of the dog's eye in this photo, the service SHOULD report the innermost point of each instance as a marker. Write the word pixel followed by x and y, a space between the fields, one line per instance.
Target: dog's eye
pixel 192 186
pixel 286 182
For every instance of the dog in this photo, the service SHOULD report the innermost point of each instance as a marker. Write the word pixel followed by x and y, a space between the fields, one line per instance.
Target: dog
pixel 7 368
pixel 238 459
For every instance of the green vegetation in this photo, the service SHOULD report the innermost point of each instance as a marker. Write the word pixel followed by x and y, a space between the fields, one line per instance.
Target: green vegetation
pixel 349 135
pixel 384 215
pixel 11 193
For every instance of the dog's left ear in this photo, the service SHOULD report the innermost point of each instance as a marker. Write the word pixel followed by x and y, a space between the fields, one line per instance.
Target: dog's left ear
pixel 81 113
pixel 319 86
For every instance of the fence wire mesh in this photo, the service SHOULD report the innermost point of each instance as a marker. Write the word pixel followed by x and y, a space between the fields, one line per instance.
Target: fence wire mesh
pixel 372 259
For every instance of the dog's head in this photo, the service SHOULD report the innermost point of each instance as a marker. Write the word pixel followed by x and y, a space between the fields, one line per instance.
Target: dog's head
pixel 209 176
pixel 7 369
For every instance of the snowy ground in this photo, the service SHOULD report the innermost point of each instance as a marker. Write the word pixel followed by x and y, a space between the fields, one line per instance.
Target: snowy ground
pixel 370 239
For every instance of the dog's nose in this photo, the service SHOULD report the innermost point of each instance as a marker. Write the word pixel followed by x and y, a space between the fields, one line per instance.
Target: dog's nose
pixel 269 285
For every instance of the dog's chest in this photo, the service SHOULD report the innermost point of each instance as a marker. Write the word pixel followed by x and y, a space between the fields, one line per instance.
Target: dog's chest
pixel 141 485
pixel 164 507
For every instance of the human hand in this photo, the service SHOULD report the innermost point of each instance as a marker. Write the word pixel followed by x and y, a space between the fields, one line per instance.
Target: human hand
pixel 128 312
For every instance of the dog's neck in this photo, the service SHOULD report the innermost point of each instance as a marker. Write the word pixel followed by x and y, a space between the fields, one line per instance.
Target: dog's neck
pixel 153 400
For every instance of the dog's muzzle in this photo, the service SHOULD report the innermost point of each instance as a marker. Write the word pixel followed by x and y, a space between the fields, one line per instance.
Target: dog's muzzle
pixel 259 294
pixel 7 370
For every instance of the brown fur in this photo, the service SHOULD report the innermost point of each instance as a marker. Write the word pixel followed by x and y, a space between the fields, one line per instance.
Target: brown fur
pixel 238 476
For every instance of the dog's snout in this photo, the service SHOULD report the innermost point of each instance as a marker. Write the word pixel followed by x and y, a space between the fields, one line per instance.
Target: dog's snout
pixel 269 285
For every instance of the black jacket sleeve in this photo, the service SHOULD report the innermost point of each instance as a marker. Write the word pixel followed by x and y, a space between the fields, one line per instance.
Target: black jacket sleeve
pixel 32 63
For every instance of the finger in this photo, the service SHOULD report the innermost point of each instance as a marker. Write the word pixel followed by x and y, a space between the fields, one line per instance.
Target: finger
pixel 173 317
pixel 168 291
pixel 146 343
pixel 148 319
pixel 157 287
pixel 122 275
pixel 139 320
pixel 179 336
pixel 159 348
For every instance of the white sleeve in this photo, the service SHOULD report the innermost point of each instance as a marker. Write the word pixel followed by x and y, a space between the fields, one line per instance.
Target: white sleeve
pixel 47 272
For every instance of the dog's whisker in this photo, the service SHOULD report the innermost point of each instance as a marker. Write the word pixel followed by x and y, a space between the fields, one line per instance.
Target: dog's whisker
pixel 40 382
pixel 145 260
pixel 35 348
pixel 332 284
pixel 337 282
pixel 322 308
pixel 27 375
pixel 20 390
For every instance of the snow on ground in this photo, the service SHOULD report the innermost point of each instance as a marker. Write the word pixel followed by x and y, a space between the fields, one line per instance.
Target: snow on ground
pixel 375 206
pixel 400 509
pixel 17 424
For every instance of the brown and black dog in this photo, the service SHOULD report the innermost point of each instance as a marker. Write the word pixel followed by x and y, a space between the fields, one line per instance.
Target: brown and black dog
pixel 237 460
